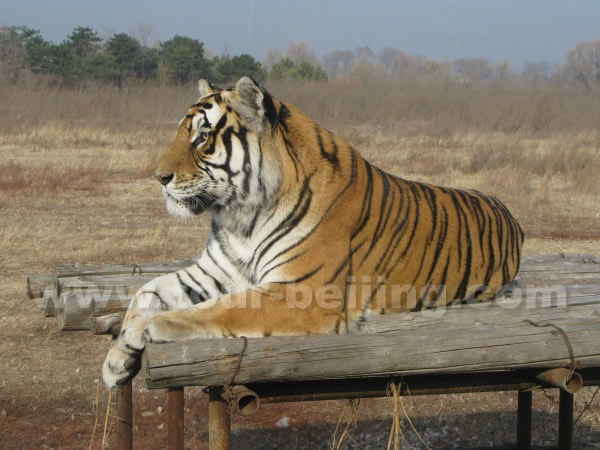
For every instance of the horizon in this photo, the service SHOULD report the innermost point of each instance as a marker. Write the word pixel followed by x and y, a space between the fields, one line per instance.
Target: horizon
pixel 513 31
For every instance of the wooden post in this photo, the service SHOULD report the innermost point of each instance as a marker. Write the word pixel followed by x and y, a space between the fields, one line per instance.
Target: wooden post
pixel 565 421
pixel 125 421
pixel 175 410
pixel 524 420
pixel 219 420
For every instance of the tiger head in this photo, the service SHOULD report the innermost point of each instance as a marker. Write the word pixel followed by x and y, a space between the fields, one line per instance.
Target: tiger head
pixel 223 155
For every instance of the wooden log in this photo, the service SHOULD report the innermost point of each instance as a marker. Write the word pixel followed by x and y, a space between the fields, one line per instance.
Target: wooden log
pixel 108 324
pixel 78 294
pixel 48 302
pixel 116 304
pixel 72 314
pixel 36 284
pixel 581 257
pixel 79 287
pixel 76 307
pixel 107 317
pixel 74 285
pixel 459 341
pixel 76 310
pixel 78 270
pixel 553 267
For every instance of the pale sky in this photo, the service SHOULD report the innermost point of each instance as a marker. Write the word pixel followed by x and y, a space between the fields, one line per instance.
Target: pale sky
pixel 515 30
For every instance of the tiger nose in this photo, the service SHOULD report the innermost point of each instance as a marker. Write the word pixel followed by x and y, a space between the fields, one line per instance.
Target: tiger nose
pixel 164 177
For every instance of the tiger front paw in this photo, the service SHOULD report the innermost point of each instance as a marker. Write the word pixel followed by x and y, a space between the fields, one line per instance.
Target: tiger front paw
pixel 122 362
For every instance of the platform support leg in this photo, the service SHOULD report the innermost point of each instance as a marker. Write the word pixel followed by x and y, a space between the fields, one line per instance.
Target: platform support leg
pixel 565 421
pixel 524 420
pixel 219 421
pixel 125 417
pixel 175 411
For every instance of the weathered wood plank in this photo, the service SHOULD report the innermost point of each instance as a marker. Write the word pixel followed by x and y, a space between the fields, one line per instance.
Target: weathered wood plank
pixel 459 341
pixel 581 257
pixel 105 281
pixel 76 270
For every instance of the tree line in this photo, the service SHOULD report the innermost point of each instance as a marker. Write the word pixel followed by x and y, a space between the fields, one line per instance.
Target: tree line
pixel 85 57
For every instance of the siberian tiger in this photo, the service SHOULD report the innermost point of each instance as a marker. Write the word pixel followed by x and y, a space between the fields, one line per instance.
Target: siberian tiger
pixel 307 236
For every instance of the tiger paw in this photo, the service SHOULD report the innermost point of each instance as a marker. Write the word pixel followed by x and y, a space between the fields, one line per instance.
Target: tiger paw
pixel 120 366
pixel 123 360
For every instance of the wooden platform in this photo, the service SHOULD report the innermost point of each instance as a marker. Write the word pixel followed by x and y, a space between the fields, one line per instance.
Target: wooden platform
pixel 508 344
pixel 493 346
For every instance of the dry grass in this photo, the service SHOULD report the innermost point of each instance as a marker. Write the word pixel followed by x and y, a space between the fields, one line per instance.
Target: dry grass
pixel 74 187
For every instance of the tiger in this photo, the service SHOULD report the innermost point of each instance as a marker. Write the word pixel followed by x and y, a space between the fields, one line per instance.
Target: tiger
pixel 297 214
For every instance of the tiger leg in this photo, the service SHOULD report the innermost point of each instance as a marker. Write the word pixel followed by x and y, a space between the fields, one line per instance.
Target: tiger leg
pixel 165 293
pixel 252 313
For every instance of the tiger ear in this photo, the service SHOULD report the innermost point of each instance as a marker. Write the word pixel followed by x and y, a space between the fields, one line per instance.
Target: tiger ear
pixel 205 88
pixel 249 92
pixel 254 103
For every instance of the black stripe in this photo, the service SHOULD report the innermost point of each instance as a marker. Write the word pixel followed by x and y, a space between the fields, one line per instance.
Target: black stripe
pixel 204 295
pixel 298 212
pixel 302 278
pixel 163 304
pixel 365 210
pixel 217 283
pixel 270 111
pixel 265 273
pixel 283 115
pixel 330 157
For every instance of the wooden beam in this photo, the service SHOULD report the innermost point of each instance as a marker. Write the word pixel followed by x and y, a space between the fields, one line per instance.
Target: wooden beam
pixel 78 270
pixel 459 341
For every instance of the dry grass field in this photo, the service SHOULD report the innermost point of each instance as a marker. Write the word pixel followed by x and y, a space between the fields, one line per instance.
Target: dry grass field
pixel 75 186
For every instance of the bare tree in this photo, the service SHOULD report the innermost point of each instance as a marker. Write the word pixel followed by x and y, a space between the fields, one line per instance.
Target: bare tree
pixel 338 62
pixel 143 31
pixel 107 32
pixel 300 52
pixel 367 71
pixel 539 72
pixel 473 69
pixel 272 57
pixel 583 64
pixel 387 57
pixel 364 53
pixel 502 71
pixel 12 51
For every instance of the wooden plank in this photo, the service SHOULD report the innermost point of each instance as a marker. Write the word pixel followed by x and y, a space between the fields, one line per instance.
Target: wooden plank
pixel 459 341
pixel 545 277
pixel 76 270
pixel 582 257
pixel 105 281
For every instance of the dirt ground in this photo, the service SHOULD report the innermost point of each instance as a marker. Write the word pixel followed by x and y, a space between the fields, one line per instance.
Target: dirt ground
pixel 82 194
